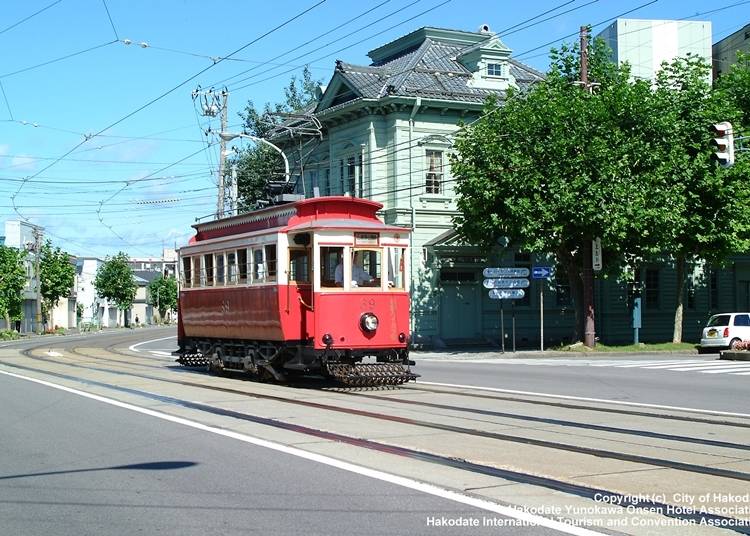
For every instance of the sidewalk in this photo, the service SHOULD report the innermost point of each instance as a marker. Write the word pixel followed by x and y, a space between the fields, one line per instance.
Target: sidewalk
pixel 491 353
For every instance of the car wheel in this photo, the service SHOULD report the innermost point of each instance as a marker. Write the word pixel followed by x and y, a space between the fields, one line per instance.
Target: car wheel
pixel 733 343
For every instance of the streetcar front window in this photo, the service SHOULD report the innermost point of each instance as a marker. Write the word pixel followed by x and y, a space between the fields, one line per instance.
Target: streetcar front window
pixel 366 264
pixel 331 267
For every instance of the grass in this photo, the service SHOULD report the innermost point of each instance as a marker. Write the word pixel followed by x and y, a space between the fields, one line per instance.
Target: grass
pixel 630 348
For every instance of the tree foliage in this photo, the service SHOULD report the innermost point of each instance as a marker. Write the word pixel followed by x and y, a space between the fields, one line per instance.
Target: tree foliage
pixel 57 274
pixel 710 217
pixel 162 293
pixel 12 282
pixel 553 167
pixel 115 281
pixel 556 166
pixel 258 164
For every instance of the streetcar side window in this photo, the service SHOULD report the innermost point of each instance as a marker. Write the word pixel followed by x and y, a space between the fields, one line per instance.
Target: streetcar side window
pixel 220 269
pixel 242 265
pixel 331 267
pixel 396 268
pixel 197 279
pixel 271 262
pixel 259 269
pixel 299 265
pixel 186 271
pixel 231 267
pixel 208 262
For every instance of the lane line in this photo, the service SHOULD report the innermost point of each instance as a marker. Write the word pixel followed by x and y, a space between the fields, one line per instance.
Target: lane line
pixel 585 399
pixel 134 347
pixel 405 482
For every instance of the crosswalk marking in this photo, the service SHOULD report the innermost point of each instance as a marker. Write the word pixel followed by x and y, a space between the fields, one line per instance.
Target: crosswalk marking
pixel 704 366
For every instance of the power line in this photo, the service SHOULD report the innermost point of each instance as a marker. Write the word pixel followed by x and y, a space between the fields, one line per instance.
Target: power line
pixel 110 20
pixel 61 58
pixel 29 17
pixel 10 112
pixel 593 26
pixel 315 39
pixel 152 101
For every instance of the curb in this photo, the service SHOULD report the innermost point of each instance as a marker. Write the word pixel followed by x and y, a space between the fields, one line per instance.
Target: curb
pixel 730 355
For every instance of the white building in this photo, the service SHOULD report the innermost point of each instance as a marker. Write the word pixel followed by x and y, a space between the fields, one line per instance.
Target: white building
pixel 645 44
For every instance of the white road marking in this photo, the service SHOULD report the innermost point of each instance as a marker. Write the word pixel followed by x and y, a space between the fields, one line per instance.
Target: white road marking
pixel 584 399
pixel 52 353
pixel 134 347
pixel 726 370
pixel 160 353
pixel 416 485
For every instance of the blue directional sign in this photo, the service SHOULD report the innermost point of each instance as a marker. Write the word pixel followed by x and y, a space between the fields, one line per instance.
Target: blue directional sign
pixel 542 272
pixel 506 283
pixel 506 272
pixel 506 294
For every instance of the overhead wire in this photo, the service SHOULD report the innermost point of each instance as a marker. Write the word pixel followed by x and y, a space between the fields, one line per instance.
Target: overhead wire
pixel 29 17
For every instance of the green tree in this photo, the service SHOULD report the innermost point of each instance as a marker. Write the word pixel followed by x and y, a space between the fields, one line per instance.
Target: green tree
pixel 115 281
pixel 162 294
pixel 557 166
pixel 57 275
pixel 258 164
pixel 735 85
pixel 12 283
pixel 710 217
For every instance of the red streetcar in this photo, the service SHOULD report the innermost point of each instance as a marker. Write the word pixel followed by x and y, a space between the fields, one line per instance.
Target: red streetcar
pixel 317 286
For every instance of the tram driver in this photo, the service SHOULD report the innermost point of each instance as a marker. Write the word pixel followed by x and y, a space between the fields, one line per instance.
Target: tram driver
pixel 360 276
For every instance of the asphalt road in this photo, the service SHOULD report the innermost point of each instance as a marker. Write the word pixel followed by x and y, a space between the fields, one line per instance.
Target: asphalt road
pixel 75 466
pixel 619 378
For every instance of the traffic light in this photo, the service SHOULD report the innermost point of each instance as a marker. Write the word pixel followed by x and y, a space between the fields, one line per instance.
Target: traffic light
pixel 724 143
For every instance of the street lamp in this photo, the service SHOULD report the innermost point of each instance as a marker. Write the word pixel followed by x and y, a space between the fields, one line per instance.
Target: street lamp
pixel 229 136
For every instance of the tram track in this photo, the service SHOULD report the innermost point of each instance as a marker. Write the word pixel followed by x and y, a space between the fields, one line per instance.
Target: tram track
pixel 600 453
pixel 587 492
pixel 134 369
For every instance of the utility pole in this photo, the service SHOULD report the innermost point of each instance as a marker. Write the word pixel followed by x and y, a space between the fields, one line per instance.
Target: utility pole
pixel 589 325
pixel 37 274
pixel 213 104
pixel 222 155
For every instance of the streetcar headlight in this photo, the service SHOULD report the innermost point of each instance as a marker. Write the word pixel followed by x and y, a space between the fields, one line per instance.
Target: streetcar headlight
pixel 369 322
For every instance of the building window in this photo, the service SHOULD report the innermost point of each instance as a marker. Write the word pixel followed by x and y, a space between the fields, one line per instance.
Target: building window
pixel 495 69
pixel 434 175
pixel 652 288
pixel 327 183
pixel 351 175
pixel 690 294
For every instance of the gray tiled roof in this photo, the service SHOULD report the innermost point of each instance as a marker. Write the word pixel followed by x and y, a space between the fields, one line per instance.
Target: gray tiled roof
pixel 430 69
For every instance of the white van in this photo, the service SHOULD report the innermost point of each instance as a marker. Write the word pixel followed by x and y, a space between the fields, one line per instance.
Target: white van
pixel 725 330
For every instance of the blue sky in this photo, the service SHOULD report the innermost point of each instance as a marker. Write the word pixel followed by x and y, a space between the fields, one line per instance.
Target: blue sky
pixel 135 187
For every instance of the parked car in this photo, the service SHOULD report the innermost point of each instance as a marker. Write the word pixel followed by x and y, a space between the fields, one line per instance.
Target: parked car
pixel 725 330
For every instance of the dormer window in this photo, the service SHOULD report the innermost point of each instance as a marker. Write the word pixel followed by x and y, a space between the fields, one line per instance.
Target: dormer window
pixel 496 69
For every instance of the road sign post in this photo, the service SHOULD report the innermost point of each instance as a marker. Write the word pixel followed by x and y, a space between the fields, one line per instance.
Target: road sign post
pixel 506 283
pixel 544 273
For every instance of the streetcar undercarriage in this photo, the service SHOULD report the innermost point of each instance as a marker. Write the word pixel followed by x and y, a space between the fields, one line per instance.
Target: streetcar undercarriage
pixel 278 361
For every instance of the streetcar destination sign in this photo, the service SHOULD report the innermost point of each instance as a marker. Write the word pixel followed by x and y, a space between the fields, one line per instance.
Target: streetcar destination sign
pixel 506 283
pixel 505 272
pixel 506 294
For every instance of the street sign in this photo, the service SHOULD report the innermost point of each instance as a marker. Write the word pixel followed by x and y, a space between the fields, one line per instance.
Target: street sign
pixel 506 283
pixel 506 294
pixel 505 272
pixel 542 272
pixel 596 254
